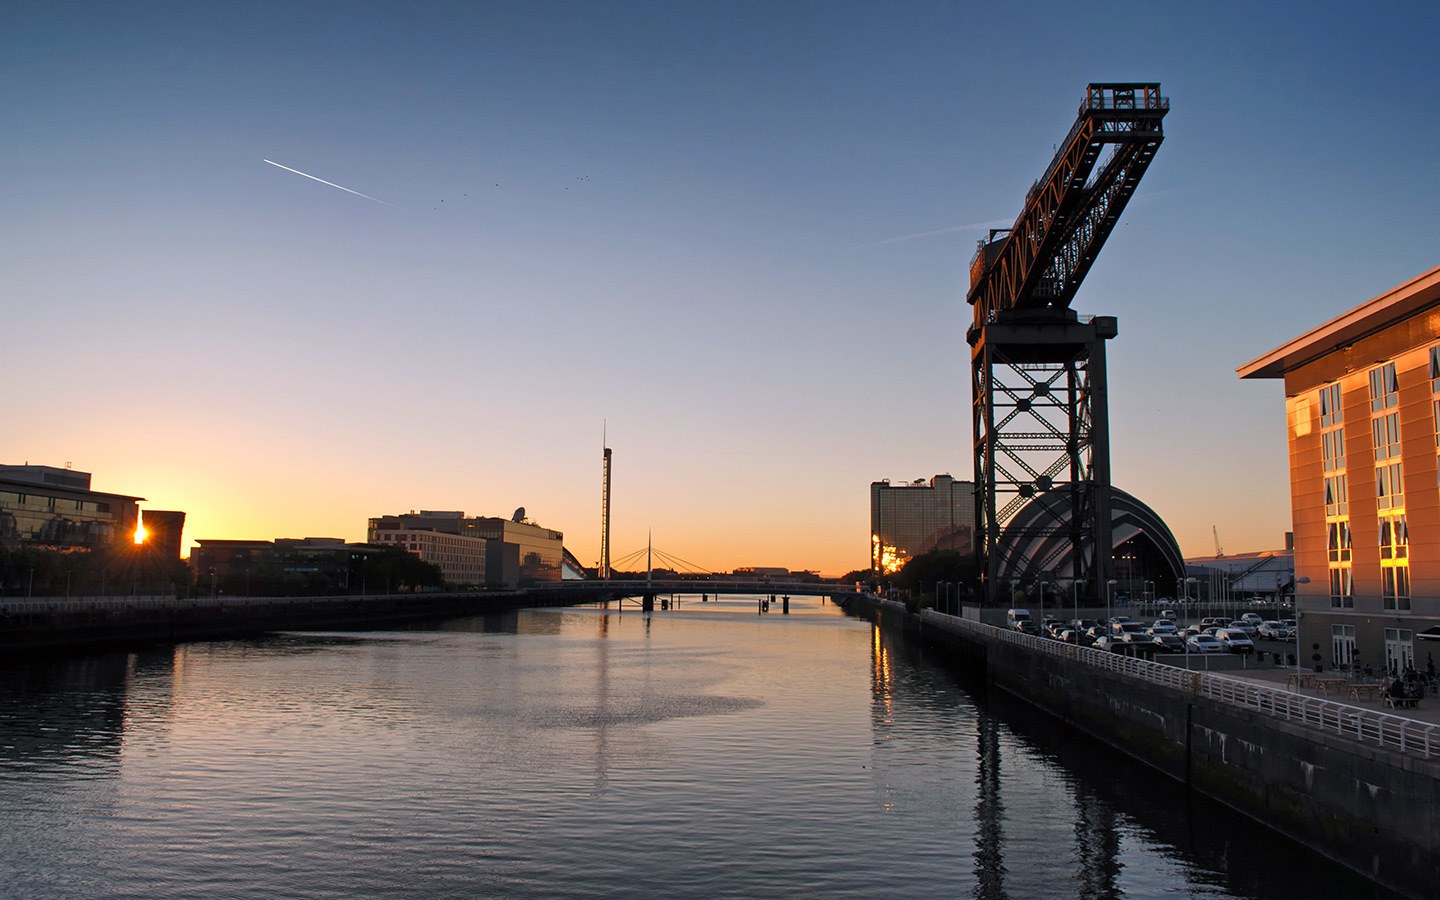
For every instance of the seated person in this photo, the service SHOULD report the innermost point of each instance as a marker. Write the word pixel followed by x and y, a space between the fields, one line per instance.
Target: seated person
pixel 1396 690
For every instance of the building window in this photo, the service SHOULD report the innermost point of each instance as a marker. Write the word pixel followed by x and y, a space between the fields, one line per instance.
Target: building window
pixel 1342 587
pixel 1342 644
pixel 1394 538
pixel 1389 487
pixel 1435 369
pixel 1333 447
pixel 1395 585
pixel 1340 540
pixel 1386 431
pixel 1384 389
pixel 1399 650
pixel 1337 500
pixel 1330 412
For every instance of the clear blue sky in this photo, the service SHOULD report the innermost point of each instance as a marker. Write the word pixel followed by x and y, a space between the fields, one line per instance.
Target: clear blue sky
pixel 674 216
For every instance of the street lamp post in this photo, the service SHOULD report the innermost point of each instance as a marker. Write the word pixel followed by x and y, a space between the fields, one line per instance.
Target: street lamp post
pixel 1303 579
pixel 1109 598
pixel 1076 586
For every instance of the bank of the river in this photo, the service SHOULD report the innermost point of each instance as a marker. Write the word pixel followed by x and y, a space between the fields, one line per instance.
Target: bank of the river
pixel 1370 807
pixel 48 625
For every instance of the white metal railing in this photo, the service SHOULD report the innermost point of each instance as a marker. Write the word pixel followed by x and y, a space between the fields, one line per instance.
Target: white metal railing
pixel 1397 732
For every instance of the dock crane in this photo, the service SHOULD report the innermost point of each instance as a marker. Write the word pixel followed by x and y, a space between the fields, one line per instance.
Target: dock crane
pixel 1038 385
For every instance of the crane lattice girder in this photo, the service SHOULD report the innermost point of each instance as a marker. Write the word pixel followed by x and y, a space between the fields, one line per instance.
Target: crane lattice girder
pixel 1068 216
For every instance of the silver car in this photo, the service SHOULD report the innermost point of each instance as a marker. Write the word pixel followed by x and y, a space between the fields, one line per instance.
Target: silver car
pixel 1204 643
pixel 1235 640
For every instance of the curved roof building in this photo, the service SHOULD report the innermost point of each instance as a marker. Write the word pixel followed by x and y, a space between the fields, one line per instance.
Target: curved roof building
pixel 1143 545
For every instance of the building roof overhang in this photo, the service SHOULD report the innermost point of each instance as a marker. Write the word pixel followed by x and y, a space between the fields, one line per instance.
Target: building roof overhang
pixel 1396 304
pixel 58 490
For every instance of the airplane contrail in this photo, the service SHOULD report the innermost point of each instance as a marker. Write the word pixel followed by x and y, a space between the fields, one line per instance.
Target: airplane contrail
pixel 973 226
pixel 331 183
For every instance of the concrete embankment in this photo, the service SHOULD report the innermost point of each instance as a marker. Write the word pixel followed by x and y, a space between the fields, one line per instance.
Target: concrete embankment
pixel 49 625
pixel 1369 807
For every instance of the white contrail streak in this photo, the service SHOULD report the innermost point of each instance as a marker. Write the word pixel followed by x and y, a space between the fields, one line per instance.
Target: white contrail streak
pixel 973 226
pixel 331 183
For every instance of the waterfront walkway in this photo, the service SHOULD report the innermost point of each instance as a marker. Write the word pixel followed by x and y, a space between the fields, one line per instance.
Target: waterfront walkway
pixel 1338 689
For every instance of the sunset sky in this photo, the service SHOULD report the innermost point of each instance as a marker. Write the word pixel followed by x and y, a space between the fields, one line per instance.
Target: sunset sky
pixel 739 233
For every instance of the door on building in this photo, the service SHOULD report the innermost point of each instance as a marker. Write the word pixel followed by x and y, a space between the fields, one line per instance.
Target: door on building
pixel 1342 644
pixel 1399 650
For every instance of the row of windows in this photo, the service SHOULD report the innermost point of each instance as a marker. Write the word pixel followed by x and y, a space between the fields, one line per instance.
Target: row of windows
pixel 15 500
pixel 1394 586
pixel 1389 491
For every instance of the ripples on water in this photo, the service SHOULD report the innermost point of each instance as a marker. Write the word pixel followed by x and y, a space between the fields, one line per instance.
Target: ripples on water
pixel 701 752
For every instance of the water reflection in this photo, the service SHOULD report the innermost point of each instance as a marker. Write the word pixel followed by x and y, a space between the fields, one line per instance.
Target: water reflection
pixel 703 752
pixel 989 812
pixel 1134 831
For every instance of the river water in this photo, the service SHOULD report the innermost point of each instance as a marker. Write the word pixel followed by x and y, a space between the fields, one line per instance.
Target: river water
pixel 703 752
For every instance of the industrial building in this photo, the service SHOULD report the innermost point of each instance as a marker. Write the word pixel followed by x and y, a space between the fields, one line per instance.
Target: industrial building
pixel 1266 575
pixel 912 518
pixel 1362 409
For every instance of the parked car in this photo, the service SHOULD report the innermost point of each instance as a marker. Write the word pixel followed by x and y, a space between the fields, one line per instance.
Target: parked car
pixel 1136 637
pixel 1241 625
pixel 1204 643
pixel 1121 629
pixel 1276 631
pixel 1163 626
pixel 1167 614
pixel 1211 622
pixel 1235 640
pixel 1107 642
pixel 1120 620
pixel 1168 643
pixel 1252 619
pixel 1071 636
pixel 1191 631
pixel 1095 632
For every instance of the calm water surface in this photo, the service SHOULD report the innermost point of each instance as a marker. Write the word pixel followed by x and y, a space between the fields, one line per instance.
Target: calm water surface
pixel 707 752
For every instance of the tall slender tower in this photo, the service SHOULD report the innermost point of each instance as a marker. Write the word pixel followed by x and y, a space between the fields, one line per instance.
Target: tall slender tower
pixel 605 516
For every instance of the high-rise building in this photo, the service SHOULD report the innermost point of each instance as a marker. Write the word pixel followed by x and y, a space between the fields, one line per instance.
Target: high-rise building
pixel 912 518
pixel 1362 405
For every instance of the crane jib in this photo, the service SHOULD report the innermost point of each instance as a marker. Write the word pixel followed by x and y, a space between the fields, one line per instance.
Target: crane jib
pixel 1042 259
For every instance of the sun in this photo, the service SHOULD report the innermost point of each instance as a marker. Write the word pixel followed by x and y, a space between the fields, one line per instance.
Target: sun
pixel 141 534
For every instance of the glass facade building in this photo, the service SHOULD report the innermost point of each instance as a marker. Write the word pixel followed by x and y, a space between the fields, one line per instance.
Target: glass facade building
pixel 918 517
pixel 49 507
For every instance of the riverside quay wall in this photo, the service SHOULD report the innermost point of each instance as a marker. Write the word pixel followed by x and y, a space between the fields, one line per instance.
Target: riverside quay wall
pixel 43 625
pixel 1359 786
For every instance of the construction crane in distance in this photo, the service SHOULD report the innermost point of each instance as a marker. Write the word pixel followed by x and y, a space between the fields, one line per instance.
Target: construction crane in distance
pixel 1038 385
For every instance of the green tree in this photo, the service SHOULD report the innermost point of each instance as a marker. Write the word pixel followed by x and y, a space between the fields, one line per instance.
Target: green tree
pixel 921 573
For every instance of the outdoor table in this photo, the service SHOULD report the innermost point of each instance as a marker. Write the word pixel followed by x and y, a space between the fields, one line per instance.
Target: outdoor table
pixel 1365 691
pixel 1300 679
pixel 1325 684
